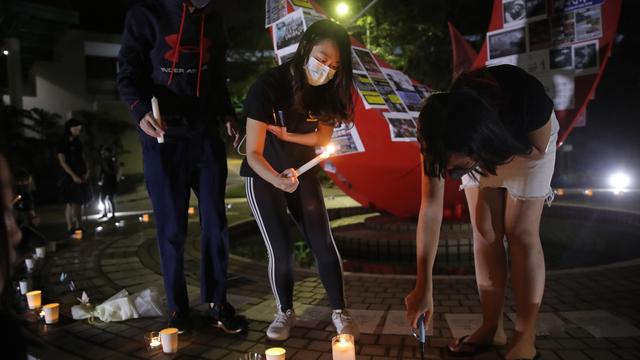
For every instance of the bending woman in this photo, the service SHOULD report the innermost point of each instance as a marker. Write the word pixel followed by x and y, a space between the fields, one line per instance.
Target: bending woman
pixel 290 110
pixel 496 130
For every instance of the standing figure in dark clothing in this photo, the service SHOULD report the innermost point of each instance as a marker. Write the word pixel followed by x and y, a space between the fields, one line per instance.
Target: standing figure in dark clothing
pixel 73 185
pixel 175 51
pixel 25 210
pixel 108 183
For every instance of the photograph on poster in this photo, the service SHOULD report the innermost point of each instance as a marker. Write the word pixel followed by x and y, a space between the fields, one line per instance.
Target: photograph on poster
pixel 534 62
pixel 519 11
pixel 274 11
pixel 286 54
pixel 423 91
pixel 402 127
pixel 585 57
pixel 368 61
pixel 311 16
pixel 356 65
pixel 389 95
pixel 398 79
pixel 289 30
pixel 412 101
pixel 560 6
pixel 370 96
pixel 347 140
pixel 506 42
pixel 560 86
pixel 588 23
pixel 539 34
pixel 563 28
pixel 560 58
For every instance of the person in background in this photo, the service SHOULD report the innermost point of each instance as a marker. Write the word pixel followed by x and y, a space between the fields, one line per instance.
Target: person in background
pixel 12 341
pixel 25 210
pixel 74 183
pixel 108 183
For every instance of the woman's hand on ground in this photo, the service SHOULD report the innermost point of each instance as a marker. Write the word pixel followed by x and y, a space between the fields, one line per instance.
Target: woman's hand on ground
pixel 418 302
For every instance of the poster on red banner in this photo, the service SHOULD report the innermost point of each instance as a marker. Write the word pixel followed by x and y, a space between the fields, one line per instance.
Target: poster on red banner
pixel 368 61
pixel 274 11
pixel 402 127
pixel 288 31
pixel 346 140
pixel 588 23
pixel 371 98
pixel 518 12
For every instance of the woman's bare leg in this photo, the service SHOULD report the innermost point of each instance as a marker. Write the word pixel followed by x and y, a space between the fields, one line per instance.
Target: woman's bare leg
pixel 522 228
pixel 486 207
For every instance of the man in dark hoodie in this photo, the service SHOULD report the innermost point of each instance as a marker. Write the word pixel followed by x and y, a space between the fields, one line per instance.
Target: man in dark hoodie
pixel 175 50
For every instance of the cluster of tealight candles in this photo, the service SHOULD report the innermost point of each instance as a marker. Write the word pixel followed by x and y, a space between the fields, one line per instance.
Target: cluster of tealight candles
pixel 49 312
pixel 342 348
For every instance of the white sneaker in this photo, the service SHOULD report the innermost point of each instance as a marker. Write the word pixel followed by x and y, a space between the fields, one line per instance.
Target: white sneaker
pixel 281 326
pixel 344 323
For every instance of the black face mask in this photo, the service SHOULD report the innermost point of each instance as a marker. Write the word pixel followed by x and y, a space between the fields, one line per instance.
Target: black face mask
pixel 458 173
pixel 200 4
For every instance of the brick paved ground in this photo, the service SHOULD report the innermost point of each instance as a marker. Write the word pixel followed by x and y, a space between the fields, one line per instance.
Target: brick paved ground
pixel 104 263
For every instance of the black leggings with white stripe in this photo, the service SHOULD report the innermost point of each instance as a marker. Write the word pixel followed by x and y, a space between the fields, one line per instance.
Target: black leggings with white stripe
pixel 306 206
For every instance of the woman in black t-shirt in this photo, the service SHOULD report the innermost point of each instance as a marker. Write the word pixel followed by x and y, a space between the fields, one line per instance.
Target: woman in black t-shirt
pixel 496 130
pixel 73 185
pixel 290 110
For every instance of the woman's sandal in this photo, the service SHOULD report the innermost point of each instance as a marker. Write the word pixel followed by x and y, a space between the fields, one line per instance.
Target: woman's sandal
pixel 537 356
pixel 462 348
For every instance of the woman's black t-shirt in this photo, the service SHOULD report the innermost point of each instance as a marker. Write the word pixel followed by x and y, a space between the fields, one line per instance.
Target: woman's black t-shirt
pixel 520 98
pixel 270 100
pixel 72 151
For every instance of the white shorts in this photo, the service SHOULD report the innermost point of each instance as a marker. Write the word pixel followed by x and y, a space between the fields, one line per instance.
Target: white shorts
pixel 523 178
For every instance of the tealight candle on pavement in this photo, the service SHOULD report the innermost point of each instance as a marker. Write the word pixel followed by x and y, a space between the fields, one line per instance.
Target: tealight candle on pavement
pixel 34 299
pixel 41 252
pixel 169 340
pixel 29 263
pixel 343 347
pixel 51 313
pixel 275 353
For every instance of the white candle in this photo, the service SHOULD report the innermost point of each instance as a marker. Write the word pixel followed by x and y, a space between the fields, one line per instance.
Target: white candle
pixel 51 313
pixel 41 252
pixel 29 263
pixel 153 340
pixel 24 287
pixel 169 339
pixel 155 107
pixel 328 151
pixel 276 353
pixel 34 299
pixel 343 348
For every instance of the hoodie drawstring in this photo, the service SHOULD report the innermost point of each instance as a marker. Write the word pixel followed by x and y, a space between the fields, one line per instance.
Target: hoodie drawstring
pixel 201 50
pixel 176 54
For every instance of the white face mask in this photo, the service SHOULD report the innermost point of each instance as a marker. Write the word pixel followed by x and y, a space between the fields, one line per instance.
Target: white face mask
pixel 317 72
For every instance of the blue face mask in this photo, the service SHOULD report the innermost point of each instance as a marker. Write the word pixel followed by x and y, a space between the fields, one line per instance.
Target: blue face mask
pixel 199 4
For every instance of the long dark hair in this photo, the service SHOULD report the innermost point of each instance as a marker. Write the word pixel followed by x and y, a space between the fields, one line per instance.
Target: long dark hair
pixel 466 121
pixel 69 124
pixel 331 103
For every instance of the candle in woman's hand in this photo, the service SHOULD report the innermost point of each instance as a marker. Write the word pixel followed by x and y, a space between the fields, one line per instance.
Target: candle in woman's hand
pixel 343 348
pixel 328 151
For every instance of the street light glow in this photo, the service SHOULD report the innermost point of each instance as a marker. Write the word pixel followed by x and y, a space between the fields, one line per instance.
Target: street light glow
pixel 619 181
pixel 5 52
pixel 342 9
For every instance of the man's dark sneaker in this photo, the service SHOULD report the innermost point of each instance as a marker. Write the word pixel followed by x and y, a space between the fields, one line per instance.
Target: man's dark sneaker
pixel 224 317
pixel 181 322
